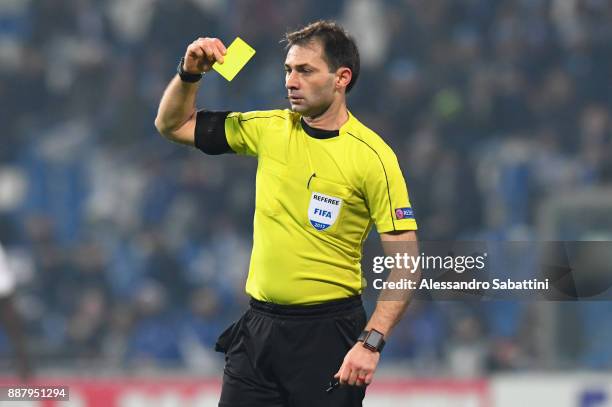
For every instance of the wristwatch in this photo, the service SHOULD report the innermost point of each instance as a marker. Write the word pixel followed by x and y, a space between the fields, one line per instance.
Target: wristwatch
pixel 187 76
pixel 372 340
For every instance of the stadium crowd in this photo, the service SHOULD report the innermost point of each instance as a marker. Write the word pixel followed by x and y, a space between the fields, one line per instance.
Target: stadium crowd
pixel 133 252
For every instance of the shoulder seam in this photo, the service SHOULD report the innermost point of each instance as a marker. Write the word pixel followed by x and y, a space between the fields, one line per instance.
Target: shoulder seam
pixel 384 170
pixel 262 117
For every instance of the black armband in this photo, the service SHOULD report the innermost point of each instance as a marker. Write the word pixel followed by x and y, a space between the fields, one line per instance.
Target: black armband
pixel 210 135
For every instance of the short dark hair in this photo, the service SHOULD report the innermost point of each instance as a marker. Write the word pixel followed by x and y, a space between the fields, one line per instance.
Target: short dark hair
pixel 339 47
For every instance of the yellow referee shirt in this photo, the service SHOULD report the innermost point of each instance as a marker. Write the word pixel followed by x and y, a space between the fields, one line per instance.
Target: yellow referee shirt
pixel 317 195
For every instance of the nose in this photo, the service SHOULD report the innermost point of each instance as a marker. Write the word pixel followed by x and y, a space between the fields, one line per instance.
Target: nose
pixel 291 80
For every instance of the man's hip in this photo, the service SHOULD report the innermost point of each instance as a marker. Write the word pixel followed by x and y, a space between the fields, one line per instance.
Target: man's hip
pixel 285 355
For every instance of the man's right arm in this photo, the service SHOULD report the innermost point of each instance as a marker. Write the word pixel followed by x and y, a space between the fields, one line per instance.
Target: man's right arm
pixel 176 116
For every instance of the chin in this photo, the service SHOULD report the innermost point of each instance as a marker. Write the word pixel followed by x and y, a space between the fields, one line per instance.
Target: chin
pixel 309 111
pixel 303 110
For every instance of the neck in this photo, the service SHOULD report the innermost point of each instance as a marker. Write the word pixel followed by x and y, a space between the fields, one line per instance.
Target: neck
pixel 331 119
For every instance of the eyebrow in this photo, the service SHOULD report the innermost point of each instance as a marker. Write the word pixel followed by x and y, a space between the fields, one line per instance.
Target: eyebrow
pixel 300 66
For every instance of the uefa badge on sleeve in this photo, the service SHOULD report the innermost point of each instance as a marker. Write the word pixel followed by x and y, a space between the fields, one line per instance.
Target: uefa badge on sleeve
pixel 404 213
pixel 323 210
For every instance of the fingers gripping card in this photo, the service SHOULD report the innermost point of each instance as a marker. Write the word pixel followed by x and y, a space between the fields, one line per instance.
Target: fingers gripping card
pixel 238 54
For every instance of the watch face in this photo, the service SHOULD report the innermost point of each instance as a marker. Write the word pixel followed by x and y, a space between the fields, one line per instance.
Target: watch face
pixel 374 339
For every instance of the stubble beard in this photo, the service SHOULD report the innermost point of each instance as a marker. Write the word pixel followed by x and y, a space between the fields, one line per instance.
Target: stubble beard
pixel 311 112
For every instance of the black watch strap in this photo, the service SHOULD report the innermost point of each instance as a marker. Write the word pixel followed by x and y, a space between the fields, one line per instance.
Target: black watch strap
pixel 372 340
pixel 186 76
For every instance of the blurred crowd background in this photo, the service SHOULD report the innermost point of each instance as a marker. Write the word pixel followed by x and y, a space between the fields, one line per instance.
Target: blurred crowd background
pixel 132 252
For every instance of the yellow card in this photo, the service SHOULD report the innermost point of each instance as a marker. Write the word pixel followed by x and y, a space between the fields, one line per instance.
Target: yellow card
pixel 238 54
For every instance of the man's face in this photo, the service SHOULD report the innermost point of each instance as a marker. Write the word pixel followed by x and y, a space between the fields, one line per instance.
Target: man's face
pixel 309 83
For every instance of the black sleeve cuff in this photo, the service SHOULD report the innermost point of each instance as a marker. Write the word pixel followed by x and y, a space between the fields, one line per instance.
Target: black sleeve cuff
pixel 210 133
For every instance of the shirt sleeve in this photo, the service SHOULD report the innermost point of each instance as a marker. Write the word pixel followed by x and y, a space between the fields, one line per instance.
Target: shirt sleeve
pixel 233 132
pixel 243 131
pixel 230 132
pixel 387 194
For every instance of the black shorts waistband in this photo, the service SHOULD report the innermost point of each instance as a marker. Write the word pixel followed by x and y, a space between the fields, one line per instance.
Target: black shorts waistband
pixel 328 308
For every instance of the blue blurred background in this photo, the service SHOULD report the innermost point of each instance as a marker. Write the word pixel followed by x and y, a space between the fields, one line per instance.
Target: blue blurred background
pixel 132 252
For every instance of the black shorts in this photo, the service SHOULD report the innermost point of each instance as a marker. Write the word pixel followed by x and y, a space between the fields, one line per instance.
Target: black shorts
pixel 285 356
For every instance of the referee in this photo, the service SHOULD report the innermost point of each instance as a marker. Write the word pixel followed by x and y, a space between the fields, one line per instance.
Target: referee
pixel 323 179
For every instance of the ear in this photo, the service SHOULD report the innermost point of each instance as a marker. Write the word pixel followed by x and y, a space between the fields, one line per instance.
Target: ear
pixel 343 77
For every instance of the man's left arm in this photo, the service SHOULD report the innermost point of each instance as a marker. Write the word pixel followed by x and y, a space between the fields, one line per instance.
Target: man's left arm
pixel 360 363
